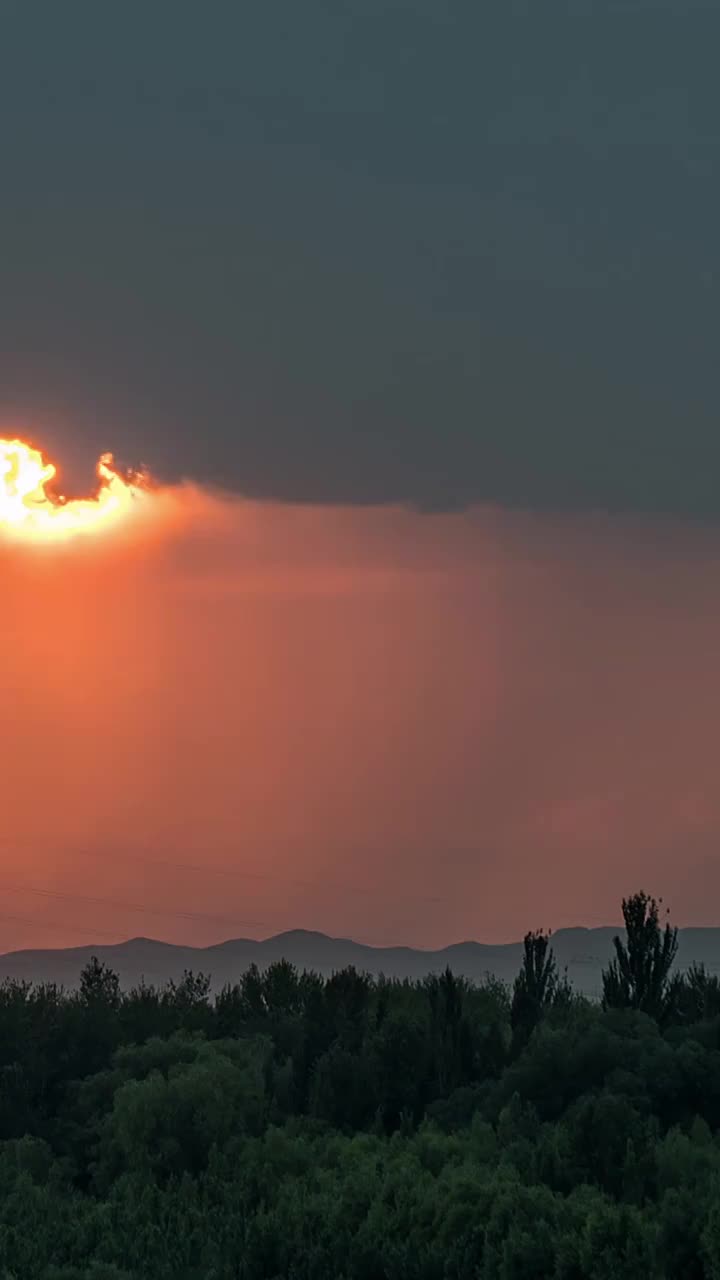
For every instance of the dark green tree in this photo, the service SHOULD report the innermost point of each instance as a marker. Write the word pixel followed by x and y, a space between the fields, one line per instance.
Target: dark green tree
pixel 99 984
pixel 252 988
pixel 639 975
pixel 694 996
pixel 282 989
pixel 535 987
pixel 187 1002
pixel 449 1031
pixel 347 1003
pixel 90 1025
pixel 400 1054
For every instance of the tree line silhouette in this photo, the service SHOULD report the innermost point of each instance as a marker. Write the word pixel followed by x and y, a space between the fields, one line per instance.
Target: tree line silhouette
pixel 346 1127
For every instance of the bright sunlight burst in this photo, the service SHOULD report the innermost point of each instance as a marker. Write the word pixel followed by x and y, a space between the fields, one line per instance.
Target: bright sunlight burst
pixel 29 511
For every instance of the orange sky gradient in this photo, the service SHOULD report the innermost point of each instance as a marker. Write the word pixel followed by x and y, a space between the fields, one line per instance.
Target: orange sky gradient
pixel 400 727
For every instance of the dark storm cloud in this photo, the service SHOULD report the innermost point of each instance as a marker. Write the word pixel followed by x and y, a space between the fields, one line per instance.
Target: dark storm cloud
pixel 369 251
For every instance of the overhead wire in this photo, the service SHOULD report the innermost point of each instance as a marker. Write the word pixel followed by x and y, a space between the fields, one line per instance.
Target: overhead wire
pixel 129 906
pixel 241 874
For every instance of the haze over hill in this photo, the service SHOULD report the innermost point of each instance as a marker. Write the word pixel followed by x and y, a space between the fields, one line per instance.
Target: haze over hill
pixel 583 952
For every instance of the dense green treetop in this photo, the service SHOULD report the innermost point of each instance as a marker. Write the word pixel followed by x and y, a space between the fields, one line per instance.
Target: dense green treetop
pixel 296 1128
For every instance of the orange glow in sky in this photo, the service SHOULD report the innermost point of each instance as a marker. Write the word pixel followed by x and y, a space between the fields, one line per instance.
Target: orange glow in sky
pixel 384 724
pixel 29 510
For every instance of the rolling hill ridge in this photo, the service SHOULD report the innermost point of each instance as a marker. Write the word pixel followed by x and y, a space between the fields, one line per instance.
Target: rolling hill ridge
pixel 583 952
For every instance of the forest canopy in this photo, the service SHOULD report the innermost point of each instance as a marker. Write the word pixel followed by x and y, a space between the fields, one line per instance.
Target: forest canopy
pixel 300 1127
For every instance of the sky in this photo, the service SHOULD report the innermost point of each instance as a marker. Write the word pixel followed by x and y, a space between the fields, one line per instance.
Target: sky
pixel 369 250
pixel 411 309
pixel 232 718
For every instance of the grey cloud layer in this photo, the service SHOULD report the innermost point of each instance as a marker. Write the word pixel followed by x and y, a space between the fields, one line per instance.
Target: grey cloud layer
pixel 369 251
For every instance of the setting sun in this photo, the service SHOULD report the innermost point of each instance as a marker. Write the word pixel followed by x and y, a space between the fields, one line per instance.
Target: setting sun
pixel 29 511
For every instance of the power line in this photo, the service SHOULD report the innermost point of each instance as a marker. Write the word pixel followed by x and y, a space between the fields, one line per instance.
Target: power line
pixel 240 874
pixel 72 897
pixel 95 933
pixel 129 906
pixel 61 928
pixel 231 872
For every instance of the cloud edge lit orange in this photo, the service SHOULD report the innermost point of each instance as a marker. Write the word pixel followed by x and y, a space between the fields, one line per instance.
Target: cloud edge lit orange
pixel 30 511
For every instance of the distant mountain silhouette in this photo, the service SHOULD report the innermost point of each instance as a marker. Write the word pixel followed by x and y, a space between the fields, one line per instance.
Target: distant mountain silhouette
pixel 583 952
